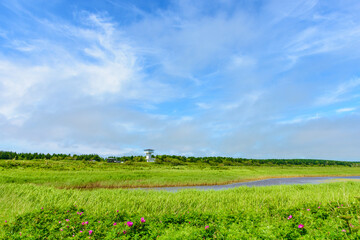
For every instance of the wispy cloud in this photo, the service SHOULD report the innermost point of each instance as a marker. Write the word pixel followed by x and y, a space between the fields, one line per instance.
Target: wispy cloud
pixel 300 119
pixel 343 92
pixel 342 110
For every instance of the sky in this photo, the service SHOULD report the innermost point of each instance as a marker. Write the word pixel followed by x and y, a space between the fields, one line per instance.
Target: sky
pixel 252 79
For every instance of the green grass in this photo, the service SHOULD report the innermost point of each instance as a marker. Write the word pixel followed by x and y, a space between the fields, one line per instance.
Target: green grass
pixel 244 211
pixel 240 213
pixel 84 174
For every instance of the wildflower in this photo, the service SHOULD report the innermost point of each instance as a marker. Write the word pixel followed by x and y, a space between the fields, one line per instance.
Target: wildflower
pixel 67 220
pixel 117 210
pixel 20 233
pixel 300 226
pixel 343 230
pixel 59 221
pixel 80 231
pixel 308 209
pixel 5 221
pixel 129 224
pixel 318 206
pixel 124 232
pixel 290 217
pixel 42 208
pixel 61 229
pixel 206 227
pixel 90 232
pixel 98 221
pixel 114 224
pixel 86 222
pixel 143 220
pixel 82 223
pixel 73 235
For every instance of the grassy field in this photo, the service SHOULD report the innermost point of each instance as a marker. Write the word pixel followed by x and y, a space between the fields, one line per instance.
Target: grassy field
pixel 78 174
pixel 33 205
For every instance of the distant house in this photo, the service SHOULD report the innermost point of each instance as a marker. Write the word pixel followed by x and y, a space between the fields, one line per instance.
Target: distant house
pixel 113 160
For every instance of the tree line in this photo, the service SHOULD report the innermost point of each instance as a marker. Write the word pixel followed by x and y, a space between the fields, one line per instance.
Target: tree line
pixel 5 155
pixel 177 160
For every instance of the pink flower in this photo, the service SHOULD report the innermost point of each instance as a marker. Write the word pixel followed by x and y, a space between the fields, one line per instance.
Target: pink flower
pixel 117 210
pixel 300 226
pixel 343 230
pixel 124 232
pixel 290 217
pixel 80 231
pixel 129 224
pixel 86 222
pixel 90 232
pixel 308 209
pixel 42 208
pixel 5 221
pixel 67 220
pixel 318 206
pixel 206 227
pixel 20 233
pixel 114 224
pixel 98 221
pixel 61 229
pixel 59 221
pixel 143 220
pixel 82 223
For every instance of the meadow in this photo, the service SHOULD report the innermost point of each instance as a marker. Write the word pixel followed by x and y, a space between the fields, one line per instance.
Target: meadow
pixel 85 174
pixel 47 199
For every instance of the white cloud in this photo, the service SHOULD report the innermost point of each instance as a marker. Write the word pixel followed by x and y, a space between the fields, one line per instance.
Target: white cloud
pixel 300 119
pixel 342 110
pixel 343 92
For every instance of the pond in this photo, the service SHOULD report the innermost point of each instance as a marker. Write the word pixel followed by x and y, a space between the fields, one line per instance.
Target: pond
pixel 261 183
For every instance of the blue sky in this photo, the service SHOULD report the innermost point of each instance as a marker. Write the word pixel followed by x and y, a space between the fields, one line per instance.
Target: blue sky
pixel 255 79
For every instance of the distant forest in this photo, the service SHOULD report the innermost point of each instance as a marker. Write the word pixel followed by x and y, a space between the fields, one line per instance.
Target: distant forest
pixel 177 160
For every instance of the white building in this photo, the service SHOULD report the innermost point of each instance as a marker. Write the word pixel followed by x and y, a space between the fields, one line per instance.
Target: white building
pixel 148 153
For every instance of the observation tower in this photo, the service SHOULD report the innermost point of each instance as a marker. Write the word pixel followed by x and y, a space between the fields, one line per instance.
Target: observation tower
pixel 148 153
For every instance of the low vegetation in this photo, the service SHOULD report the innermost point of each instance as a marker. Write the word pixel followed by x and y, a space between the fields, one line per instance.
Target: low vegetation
pixel 325 211
pixel 45 198
pixel 85 174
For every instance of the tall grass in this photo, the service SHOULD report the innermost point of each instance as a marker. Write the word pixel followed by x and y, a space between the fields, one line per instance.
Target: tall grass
pixel 273 204
pixel 240 213
pixel 79 174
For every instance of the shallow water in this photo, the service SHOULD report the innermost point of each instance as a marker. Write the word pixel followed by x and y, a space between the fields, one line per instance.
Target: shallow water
pixel 261 183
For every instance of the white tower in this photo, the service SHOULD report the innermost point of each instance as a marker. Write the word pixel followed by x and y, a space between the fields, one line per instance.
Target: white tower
pixel 148 155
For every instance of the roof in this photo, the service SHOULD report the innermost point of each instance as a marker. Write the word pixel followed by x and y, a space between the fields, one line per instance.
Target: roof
pixel 148 150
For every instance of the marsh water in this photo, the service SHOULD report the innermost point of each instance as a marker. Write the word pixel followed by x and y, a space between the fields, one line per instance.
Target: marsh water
pixel 261 183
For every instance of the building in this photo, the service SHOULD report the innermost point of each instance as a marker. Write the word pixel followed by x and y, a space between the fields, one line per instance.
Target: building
pixel 148 153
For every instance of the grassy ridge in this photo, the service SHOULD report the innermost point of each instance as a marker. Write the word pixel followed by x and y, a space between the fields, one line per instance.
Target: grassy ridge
pixel 99 174
pixel 240 213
